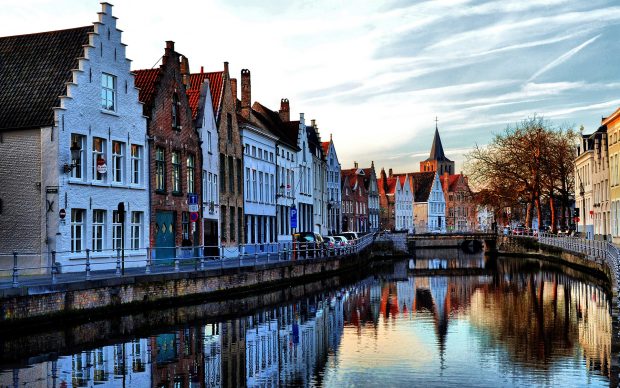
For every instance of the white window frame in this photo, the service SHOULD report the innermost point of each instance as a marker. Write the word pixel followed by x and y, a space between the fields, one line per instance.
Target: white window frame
pixel 117 232
pixel 78 219
pixel 108 92
pixel 136 230
pixel 136 164
pixel 98 229
pixel 118 161
pixel 79 172
pixel 96 154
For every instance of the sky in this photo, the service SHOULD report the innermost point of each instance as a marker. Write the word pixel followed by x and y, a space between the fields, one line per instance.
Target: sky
pixel 376 74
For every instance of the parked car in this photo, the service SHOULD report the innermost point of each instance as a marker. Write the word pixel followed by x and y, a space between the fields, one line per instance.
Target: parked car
pixel 330 243
pixel 342 241
pixel 350 235
pixel 309 242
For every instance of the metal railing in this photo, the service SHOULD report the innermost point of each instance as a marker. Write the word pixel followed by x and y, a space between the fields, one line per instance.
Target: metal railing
pixel 100 264
pixel 602 252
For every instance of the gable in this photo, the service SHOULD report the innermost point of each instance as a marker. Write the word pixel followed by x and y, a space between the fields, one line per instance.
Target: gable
pixel 33 71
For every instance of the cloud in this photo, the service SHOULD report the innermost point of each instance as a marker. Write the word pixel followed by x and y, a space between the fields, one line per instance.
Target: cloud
pixel 563 58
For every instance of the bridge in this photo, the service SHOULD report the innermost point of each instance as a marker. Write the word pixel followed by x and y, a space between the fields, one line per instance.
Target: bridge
pixel 403 243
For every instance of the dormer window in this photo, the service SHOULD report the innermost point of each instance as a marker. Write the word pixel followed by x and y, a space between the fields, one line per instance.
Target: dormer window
pixel 176 122
pixel 108 92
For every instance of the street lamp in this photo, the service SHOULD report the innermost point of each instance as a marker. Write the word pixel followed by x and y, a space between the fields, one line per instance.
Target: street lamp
pixel 75 156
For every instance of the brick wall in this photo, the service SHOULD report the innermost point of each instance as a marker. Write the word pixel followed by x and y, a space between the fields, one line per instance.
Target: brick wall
pixel 20 193
pixel 183 139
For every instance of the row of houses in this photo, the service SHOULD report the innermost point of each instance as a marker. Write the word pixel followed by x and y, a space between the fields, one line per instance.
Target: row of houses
pixel 98 157
pixel 597 181
pixel 435 199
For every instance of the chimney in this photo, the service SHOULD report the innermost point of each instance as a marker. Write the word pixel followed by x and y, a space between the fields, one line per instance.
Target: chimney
pixel 202 69
pixel 169 50
pixel 233 87
pixel 354 163
pixel 313 123
pixel 246 93
pixel 185 71
pixel 285 110
pixel 390 173
pixel 226 68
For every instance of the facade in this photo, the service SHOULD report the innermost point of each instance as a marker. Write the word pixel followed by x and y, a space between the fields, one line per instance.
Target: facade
pixel 205 96
pixel 259 163
pixel 369 177
pixel 231 169
pixel 612 123
pixel 175 154
pixel 584 167
pixel 429 203
pixel 334 194
pixel 78 93
pixel 460 203
pixel 285 162
pixel 437 161
pixel 319 180
pixel 600 184
pixel 403 204
pixel 387 200
pixel 486 218
pixel 348 213
pixel 304 186
pixel 356 217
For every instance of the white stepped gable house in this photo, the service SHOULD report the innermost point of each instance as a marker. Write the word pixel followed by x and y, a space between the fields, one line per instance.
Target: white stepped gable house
pixel 429 204
pixel 81 154
pixel 334 192
pixel 403 204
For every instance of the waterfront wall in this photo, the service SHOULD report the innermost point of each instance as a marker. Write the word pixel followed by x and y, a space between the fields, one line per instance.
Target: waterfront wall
pixel 39 303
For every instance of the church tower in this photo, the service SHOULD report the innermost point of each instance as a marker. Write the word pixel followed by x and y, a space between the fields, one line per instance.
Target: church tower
pixel 437 160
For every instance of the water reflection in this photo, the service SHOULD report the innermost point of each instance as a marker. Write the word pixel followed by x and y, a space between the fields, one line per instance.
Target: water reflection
pixel 520 325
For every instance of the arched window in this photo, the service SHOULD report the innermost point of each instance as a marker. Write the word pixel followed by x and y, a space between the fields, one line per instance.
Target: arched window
pixel 176 123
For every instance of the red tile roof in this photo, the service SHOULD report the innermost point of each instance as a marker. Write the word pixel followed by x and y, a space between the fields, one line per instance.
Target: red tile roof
pixel 451 181
pixel 325 146
pixel 216 86
pixel 388 187
pixel 146 81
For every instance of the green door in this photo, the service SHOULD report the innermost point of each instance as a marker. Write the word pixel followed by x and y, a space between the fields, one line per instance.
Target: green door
pixel 164 237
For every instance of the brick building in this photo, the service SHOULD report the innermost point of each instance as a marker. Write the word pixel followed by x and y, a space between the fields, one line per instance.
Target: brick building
pixel 231 166
pixel 175 153
pixel 461 206
pixel 387 199
pixel 355 210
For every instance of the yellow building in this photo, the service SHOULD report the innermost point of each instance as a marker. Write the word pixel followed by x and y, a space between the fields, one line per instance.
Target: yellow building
pixel 612 123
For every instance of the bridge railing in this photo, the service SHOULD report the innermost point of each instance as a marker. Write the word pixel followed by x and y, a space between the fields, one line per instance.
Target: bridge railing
pixel 88 264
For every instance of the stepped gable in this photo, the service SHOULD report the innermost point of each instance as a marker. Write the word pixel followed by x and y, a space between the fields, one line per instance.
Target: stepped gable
pixel 146 80
pixel 216 87
pixel 33 71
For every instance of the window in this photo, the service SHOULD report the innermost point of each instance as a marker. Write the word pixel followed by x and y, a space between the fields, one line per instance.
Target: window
pixel 223 173
pixel 253 151
pixel 232 223
pixel 136 164
pixel 176 122
pixel 80 141
pixel 229 127
pixel 185 225
pixel 99 164
pixel 247 183
pixel 254 189
pixel 231 175
pixel 117 232
pixel 118 160
pixel 209 141
pixel 191 174
pixel 239 177
pixel 160 169
pixel 223 220
pixel 176 172
pixel 260 187
pixel 98 230
pixel 77 229
pixel 239 223
pixel 214 188
pixel 108 92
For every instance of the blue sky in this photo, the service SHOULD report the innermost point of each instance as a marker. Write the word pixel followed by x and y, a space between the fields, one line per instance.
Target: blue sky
pixel 375 74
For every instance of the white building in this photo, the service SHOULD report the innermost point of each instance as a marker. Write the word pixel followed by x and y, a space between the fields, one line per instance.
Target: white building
pixel 304 187
pixel 319 180
pixel 334 191
pixel 205 96
pixel 278 123
pixel 87 102
pixel 403 204
pixel 584 177
pixel 429 204
pixel 486 218
pixel 260 186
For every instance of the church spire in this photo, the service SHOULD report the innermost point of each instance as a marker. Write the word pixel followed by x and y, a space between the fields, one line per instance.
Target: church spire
pixel 437 148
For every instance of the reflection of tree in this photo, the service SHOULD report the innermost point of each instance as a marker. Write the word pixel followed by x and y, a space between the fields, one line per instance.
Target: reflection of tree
pixel 537 318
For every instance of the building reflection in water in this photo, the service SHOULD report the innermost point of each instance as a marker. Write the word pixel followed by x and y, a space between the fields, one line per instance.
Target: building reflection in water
pixel 535 316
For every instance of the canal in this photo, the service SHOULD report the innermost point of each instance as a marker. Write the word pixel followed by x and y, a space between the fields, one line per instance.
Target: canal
pixel 443 318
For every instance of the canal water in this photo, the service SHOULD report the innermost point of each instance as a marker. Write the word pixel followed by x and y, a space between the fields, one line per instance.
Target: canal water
pixel 441 319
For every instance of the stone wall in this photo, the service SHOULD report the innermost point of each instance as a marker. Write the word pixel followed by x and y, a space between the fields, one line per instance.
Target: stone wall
pixel 79 298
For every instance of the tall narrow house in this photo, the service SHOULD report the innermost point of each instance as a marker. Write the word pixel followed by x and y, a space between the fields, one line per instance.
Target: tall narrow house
pixel 175 155
pixel 72 146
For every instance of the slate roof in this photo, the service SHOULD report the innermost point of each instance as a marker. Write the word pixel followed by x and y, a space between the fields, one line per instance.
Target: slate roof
pixel 437 149
pixel 422 185
pixel 216 86
pixel 33 71
pixel 286 131
pixel 313 141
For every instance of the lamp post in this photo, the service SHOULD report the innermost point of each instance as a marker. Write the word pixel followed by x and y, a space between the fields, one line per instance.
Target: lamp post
pixel 75 156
